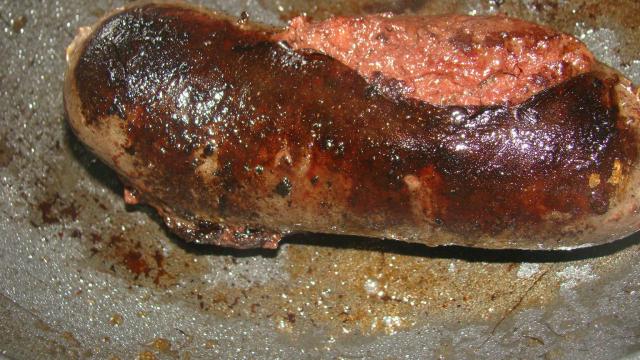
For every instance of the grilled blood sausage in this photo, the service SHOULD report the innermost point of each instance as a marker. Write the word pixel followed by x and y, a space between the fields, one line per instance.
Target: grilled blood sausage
pixel 237 138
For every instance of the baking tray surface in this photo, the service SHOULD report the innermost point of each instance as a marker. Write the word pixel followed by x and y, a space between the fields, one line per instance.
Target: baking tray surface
pixel 84 276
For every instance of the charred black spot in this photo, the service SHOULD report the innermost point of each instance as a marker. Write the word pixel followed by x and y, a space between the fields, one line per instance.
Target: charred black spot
pixel 242 47
pixel 209 149
pixel 206 226
pixel 131 150
pixel 371 92
pixel 382 37
pixel 117 108
pixel 244 18
pixel 222 203
pixel 392 88
pixel 284 187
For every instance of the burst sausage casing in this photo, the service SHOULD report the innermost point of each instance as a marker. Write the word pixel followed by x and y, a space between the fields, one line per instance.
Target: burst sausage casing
pixel 237 139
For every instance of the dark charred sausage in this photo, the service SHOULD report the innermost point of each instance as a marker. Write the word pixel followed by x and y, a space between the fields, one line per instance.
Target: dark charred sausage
pixel 237 139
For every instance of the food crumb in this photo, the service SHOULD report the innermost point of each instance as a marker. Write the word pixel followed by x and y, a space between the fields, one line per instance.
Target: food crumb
pixel 116 320
pixel 18 23
pixel 211 344
pixel 161 344
pixel 146 355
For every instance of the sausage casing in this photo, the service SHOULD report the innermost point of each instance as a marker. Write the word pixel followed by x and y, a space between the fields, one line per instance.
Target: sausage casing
pixel 237 139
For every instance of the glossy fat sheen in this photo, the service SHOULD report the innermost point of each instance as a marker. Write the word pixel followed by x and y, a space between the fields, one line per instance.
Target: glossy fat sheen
pixel 450 59
pixel 236 139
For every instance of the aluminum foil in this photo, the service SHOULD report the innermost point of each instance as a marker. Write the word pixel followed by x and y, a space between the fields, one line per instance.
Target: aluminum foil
pixel 84 276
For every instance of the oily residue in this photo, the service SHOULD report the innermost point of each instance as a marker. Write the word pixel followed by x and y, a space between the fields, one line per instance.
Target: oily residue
pixel 344 290
pixel 353 286
pixel 138 257
pixel 359 290
pixel 6 153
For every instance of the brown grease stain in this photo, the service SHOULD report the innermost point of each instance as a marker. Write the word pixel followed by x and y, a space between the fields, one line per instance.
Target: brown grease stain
pixel 55 210
pixel 162 345
pixel 146 355
pixel 135 263
pixel 137 257
pixel 6 152
pixel 326 286
pixel 326 289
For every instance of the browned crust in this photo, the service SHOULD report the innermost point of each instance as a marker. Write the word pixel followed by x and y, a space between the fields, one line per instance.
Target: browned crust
pixel 343 185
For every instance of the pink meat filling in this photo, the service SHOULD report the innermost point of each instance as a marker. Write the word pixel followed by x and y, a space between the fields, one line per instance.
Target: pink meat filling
pixel 447 60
